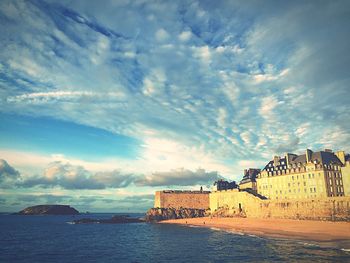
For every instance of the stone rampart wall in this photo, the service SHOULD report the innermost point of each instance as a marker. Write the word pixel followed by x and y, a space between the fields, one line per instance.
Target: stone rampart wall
pixel 179 199
pixel 234 202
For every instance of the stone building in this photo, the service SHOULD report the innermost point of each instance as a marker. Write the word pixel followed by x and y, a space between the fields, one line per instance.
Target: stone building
pixel 249 179
pixel 314 185
pixel 309 175
pixel 224 185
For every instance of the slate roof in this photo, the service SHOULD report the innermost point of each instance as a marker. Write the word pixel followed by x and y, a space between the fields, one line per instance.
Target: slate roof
pixel 321 157
pixel 282 163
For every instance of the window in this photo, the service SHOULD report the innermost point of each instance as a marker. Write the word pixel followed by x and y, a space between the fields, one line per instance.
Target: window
pixel 310 190
pixel 292 177
pixel 304 183
pixel 314 189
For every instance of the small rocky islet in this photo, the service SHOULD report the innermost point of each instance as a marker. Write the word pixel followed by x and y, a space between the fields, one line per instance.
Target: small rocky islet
pixel 49 210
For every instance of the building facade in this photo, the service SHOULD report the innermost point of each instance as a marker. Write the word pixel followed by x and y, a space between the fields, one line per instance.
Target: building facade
pixel 310 175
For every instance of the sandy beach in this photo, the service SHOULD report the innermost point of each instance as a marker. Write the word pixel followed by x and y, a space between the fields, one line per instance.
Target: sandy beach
pixel 284 228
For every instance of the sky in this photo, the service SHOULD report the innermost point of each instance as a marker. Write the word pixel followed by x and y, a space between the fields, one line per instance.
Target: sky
pixel 102 103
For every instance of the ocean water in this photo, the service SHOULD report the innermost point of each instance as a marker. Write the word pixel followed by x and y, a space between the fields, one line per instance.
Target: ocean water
pixel 54 239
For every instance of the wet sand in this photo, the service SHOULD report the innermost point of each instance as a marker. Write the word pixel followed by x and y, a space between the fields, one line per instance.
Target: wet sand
pixel 282 228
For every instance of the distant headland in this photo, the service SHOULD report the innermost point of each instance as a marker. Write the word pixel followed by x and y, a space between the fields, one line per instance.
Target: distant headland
pixel 49 210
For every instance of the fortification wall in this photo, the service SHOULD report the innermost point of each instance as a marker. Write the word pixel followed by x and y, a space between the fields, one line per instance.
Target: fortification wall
pixel 234 203
pixel 182 199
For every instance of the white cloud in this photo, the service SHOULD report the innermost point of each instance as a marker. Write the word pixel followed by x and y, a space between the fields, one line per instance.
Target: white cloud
pixel 246 137
pixel 268 104
pixel 162 34
pixel 258 78
pixel 100 50
pixel 222 116
pixel 154 82
pixel 203 53
pixel 57 95
pixel 185 36
pixel 28 66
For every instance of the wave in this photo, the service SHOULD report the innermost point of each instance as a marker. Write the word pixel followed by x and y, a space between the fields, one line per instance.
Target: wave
pixel 309 244
pixel 193 226
pixel 230 231
pixel 236 232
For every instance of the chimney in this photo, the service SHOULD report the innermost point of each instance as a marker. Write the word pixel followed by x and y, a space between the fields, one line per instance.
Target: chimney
pixel 276 160
pixel 287 159
pixel 308 155
pixel 341 156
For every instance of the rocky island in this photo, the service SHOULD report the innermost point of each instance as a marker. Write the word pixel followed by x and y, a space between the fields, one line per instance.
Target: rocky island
pixel 49 210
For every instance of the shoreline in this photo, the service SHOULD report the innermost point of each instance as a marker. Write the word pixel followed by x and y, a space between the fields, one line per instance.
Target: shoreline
pixel 320 231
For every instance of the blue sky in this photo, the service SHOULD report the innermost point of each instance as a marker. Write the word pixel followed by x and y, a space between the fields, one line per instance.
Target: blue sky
pixel 101 104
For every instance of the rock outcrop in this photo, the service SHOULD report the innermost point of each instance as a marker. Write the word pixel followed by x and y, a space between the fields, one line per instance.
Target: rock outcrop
pixel 159 214
pixel 49 210
pixel 114 220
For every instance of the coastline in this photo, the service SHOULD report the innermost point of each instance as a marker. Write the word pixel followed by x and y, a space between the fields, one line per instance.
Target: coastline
pixel 320 231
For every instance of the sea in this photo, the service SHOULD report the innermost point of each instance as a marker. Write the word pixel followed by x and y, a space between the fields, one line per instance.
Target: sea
pixel 55 239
